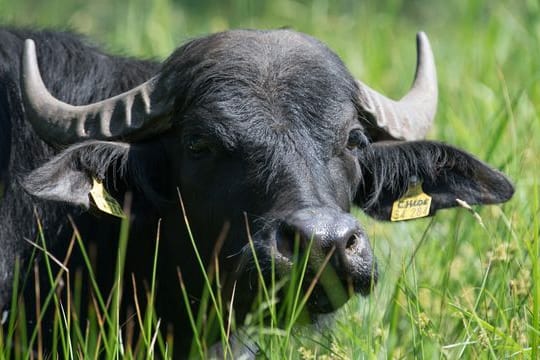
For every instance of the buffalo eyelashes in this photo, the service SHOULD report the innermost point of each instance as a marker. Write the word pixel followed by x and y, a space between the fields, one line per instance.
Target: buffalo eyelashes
pixel 199 146
pixel 357 140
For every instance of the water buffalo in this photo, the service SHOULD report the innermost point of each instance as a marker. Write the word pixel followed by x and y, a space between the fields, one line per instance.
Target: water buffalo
pixel 261 134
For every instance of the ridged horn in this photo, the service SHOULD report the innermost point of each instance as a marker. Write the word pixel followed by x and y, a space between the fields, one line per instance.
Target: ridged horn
pixel 411 117
pixel 134 114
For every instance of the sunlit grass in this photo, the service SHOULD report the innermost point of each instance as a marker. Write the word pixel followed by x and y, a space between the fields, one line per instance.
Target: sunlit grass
pixel 449 287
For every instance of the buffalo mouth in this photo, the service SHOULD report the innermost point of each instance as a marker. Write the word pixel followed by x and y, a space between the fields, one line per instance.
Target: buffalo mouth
pixel 320 303
pixel 331 291
pixel 324 288
pixel 330 281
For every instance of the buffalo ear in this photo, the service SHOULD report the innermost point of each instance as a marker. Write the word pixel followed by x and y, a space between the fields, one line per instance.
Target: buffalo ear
pixel 446 173
pixel 67 177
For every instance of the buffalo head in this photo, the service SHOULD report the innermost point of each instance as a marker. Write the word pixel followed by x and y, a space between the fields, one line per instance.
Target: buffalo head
pixel 266 131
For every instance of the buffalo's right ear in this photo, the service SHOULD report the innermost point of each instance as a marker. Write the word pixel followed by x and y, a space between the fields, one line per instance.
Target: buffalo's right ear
pixel 68 177
pixel 446 173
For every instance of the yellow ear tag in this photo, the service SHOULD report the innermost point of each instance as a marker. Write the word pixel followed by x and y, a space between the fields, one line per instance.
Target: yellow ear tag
pixel 414 204
pixel 104 201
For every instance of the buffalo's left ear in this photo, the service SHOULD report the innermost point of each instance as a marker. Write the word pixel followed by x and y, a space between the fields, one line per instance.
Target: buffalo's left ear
pixel 446 174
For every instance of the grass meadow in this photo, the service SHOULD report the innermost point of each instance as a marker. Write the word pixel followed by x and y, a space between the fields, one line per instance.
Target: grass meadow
pixel 458 285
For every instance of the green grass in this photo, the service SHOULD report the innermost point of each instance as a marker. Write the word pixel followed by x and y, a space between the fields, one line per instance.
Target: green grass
pixel 450 286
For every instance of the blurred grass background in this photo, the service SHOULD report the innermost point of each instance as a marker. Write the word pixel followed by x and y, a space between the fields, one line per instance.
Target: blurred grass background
pixel 450 286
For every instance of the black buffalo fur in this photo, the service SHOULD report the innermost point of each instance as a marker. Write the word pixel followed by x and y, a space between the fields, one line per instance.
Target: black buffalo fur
pixel 265 124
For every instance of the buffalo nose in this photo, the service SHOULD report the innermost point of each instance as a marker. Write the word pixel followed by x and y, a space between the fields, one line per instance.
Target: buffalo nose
pixel 322 230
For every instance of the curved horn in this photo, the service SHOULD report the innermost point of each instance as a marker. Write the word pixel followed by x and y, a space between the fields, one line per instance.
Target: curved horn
pixel 133 114
pixel 411 117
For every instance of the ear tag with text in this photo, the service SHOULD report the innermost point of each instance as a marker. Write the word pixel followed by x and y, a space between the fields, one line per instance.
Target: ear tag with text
pixel 104 201
pixel 414 204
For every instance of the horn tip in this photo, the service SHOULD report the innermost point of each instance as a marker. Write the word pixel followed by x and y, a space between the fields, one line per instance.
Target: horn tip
pixel 29 45
pixel 29 56
pixel 422 38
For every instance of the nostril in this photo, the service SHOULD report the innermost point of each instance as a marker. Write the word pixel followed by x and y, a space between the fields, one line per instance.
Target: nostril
pixel 351 242
pixel 288 241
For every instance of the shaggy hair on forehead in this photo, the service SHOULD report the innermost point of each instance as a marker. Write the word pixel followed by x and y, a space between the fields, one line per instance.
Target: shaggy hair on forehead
pixel 289 78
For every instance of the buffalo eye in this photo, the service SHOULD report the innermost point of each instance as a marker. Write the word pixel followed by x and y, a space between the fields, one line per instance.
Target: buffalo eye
pixel 357 140
pixel 198 146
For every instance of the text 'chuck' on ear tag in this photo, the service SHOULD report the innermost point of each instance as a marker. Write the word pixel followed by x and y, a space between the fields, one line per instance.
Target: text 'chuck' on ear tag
pixel 104 201
pixel 414 204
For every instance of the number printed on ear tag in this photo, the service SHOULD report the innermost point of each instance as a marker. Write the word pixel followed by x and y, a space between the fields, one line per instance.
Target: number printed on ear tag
pixel 414 204
pixel 104 201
